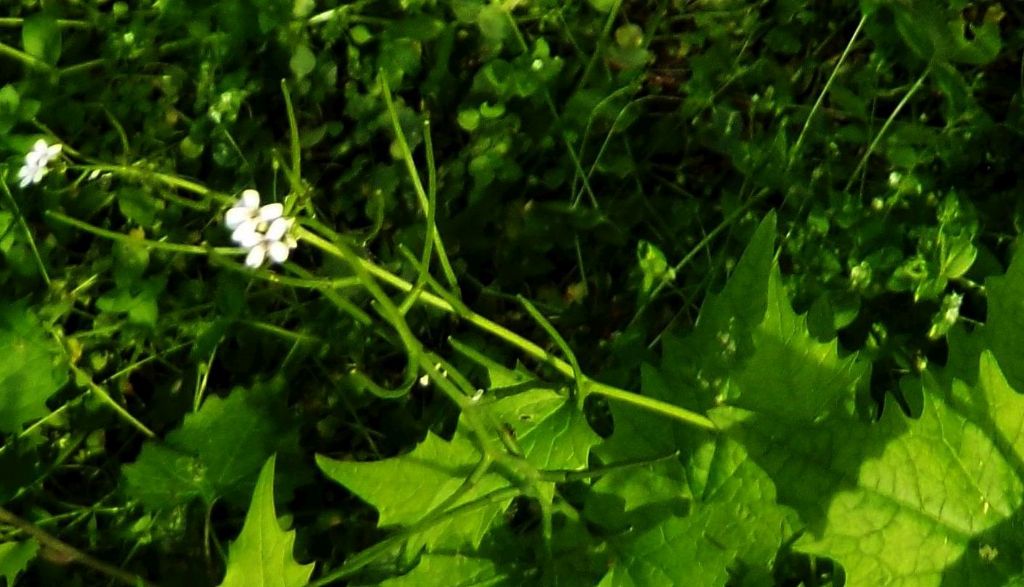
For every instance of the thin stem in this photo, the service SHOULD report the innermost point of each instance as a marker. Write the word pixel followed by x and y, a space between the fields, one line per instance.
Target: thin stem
pixel 421 194
pixel 28 232
pixel 65 23
pixel 130 240
pixel 560 342
pixel 293 131
pixel 388 310
pixel 704 242
pixel 522 343
pixel 164 178
pixel 29 61
pixel 881 132
pixel 102 393
pixel 70 553
pixel 652 405
pixel 824 92
pixel 81 67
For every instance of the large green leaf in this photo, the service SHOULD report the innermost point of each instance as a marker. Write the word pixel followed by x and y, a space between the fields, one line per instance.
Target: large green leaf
pixel 1004 323
pixel 916 503
pixel 216 453
pixel 734 527
pixel 405 489
pixel 785 357
pixel 40 36
pixel 262 554
pixel 15 557
pixel 698 365
pixel 31 367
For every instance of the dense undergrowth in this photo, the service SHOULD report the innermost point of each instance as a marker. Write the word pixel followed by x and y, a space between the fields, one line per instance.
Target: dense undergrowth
pixel 677 292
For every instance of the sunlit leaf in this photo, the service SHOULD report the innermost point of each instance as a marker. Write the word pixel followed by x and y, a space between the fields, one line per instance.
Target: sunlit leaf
pixel 263 553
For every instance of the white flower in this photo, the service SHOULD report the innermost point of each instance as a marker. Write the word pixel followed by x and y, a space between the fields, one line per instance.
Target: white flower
pixel 247 214
pixel 36 161
pixel 261 229
pixel 275 243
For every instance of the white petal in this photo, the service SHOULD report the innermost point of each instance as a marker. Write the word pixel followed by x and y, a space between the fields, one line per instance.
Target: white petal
pixel 236 216
pixel 290 241
pixel 40 147
pixel 39 173
pixel 246 235
pixel 278 228
pixel 24 181
pixel 33 158
pixel 256 255
pixel 26 171
pixel 271 211
pixel 250 199
pixel 53 150
pixel 278 251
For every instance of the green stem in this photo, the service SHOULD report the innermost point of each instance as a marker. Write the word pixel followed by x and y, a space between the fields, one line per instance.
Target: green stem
pixel 425 200
pixel 29 61
pixel 65 551
pixel 670 276
pixel 522 343
pixel 165 178
pixel 130 240
pixel 102 393
pixel 824 92
pixel 885 127
pixel 28 232
pixel 12 22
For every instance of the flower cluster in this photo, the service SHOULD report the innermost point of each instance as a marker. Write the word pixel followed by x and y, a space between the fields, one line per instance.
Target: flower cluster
pixel 36 161
pixel 263 230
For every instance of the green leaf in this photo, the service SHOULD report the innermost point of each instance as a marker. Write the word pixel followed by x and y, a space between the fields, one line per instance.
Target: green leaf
pixel 602 5
pixel 916 503
pixel 552 432
pixel 936 32
pixel 262 554
pixel 1004 323
pixel 734 519
pixel 303 61
pixel 40 36
pixel 216 453
pixel 138 300
pixel 405 489
pixel 733 515
pixel 786 357
pixel 494 23
pixel 15 557
pixel 138 205
pixel 451 569
pixel 654 269
pixel 31 367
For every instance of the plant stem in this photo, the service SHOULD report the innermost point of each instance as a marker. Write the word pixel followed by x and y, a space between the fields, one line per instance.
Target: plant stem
pixel 165 178
pixel 102 393
pixel 425 200
pixel 29 61
pixel 130 240
pixel 522 343
pixel 824 91
pixel 12 22
pixel 70 553
pixel 28 232
pixel 885 127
